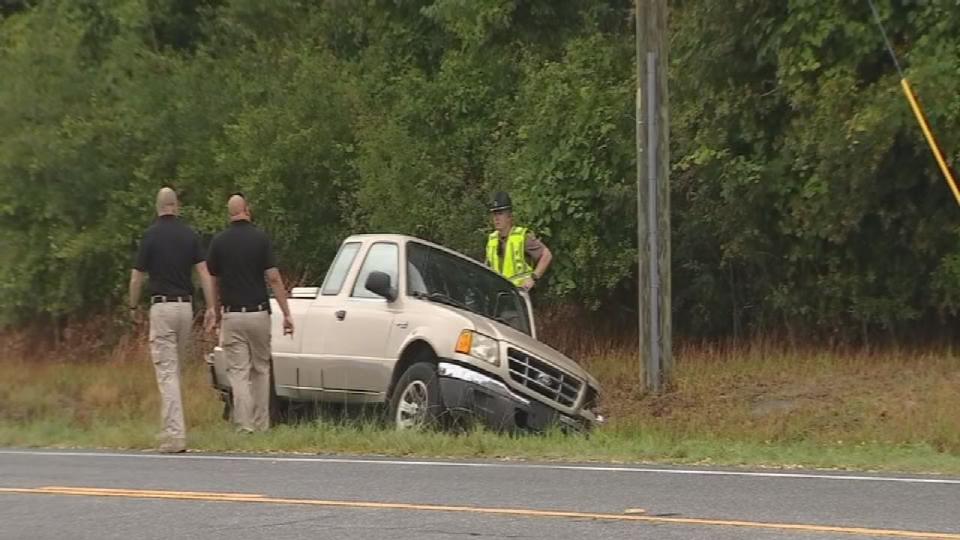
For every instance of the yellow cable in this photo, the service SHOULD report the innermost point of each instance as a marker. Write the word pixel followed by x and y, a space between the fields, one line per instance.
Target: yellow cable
pixel 930 139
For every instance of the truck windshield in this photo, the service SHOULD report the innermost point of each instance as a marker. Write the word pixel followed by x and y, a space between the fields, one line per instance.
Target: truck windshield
pixel 436 275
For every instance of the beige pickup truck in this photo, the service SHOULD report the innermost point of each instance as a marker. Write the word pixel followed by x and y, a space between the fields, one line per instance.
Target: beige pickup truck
pixel 431 333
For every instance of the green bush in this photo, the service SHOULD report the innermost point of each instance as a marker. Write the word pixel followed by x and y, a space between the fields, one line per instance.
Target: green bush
pixel 804 197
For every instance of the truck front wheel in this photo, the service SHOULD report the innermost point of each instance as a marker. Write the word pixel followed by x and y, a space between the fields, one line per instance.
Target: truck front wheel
pixel 416 403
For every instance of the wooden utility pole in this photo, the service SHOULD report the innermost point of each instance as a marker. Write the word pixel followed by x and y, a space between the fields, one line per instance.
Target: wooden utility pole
pixel 653 194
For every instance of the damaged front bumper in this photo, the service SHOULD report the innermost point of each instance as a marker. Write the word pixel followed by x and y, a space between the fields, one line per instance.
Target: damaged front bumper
pixel 471 394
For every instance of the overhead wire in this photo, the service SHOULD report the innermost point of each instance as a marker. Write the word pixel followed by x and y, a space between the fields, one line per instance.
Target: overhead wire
pixel 914 102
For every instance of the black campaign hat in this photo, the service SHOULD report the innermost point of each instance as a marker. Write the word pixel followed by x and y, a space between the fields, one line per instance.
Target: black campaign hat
pixel 501 201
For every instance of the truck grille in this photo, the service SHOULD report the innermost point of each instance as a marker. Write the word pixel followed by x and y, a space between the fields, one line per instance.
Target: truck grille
pixel 543 378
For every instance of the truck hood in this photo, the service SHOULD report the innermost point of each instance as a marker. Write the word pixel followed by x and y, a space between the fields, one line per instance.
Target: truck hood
pixel 530 345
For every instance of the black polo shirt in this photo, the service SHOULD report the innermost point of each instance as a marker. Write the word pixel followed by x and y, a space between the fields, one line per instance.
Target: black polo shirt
pixel 168 250
pixel 239 256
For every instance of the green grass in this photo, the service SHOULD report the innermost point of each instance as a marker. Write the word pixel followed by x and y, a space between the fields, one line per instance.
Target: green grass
pixel 612 446
pixel 744 407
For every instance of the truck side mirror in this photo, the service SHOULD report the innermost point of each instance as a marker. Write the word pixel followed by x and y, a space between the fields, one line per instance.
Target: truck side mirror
pixel 379 283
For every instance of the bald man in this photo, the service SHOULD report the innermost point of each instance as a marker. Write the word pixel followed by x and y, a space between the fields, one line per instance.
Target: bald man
pixel 241 262
pixel 168 252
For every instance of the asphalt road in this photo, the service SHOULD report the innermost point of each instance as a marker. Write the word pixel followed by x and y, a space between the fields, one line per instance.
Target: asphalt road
pixel 47 494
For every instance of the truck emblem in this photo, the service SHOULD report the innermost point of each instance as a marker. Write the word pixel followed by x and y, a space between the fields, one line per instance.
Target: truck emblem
pixel 545 380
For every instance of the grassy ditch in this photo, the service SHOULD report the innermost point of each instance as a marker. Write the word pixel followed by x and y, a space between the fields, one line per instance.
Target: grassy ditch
pixel 740 406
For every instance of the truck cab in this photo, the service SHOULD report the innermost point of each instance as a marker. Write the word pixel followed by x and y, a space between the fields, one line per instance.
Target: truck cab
pixel 432 334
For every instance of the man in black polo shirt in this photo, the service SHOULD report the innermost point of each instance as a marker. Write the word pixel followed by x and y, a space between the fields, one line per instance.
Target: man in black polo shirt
pixel 168 251
pixel 241 261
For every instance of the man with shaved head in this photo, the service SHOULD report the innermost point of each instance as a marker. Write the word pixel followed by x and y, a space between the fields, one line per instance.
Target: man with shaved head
pixel 168 252
pixel 241 262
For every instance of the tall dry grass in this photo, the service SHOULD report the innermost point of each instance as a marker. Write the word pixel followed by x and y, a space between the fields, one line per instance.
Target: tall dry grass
pixel 763 393
pixel 81 385
pixel 723 397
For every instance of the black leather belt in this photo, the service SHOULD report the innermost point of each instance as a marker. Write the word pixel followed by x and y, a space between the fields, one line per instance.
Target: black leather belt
pixel 157 298
pixel 253 308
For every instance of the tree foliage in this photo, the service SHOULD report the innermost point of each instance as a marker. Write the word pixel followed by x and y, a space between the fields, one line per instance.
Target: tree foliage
pixel 804 197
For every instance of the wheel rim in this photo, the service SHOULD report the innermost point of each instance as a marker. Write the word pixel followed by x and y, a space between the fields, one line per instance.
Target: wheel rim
pixel 412 407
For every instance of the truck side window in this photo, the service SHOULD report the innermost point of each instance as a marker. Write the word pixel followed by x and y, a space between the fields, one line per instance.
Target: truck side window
pixel 382 257
pixel 338 270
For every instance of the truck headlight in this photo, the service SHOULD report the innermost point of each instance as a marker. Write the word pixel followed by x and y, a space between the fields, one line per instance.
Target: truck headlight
pixel 479 346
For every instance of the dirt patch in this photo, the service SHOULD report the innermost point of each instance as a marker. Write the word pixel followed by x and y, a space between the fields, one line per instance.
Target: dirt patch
pixel 769 406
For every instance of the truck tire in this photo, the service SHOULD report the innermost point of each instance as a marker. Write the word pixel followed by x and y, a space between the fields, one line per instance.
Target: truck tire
pixel 227 398
pixel 278 407
pixel 416 402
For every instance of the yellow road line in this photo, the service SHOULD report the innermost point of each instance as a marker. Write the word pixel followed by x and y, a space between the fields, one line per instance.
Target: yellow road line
pixel 89 490
pixel 517 512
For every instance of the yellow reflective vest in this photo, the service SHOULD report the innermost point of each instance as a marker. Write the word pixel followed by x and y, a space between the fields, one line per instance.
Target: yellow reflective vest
pixel 514 265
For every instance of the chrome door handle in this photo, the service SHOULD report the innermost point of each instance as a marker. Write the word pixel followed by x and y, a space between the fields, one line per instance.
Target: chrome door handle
pixel 402 324
pixel 340 315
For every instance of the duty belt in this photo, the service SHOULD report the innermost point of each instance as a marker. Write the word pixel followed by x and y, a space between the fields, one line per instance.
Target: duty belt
pixel 157 298
pixel 252 308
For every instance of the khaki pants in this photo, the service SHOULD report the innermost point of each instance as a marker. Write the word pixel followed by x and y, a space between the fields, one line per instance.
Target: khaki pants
pixel 170 327
pixel 245 338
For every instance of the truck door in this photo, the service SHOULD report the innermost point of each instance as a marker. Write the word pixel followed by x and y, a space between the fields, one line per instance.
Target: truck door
pixel 315 359
pixel 359 329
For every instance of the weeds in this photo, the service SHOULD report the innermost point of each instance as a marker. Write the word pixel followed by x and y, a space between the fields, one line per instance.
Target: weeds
pixel 756 405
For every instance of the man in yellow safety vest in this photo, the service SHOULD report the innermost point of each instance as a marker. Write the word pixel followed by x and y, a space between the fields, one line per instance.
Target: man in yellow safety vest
pixel 515 252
